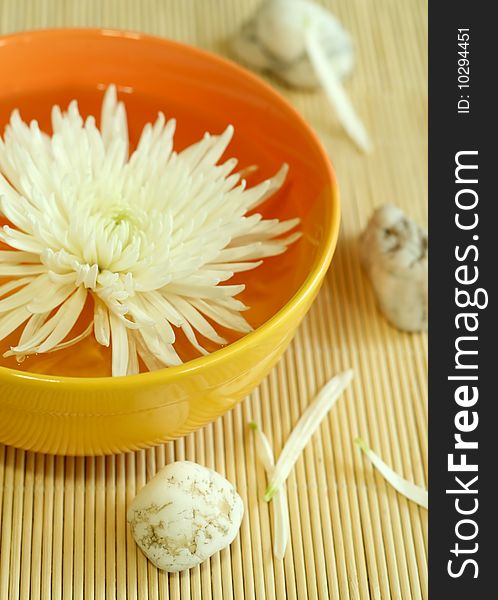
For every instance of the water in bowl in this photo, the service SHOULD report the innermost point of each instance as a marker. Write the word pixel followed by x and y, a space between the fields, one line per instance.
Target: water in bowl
pixel 268 288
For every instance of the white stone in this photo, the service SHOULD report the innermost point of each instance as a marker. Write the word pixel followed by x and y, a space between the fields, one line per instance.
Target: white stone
pixel 274 39
pixel 184 515
pixel 394 252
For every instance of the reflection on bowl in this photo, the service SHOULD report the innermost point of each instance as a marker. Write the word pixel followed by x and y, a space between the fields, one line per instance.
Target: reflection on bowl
pixel 80 410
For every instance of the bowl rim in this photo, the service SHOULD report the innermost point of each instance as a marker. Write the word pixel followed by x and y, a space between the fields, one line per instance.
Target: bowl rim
pixel 309 286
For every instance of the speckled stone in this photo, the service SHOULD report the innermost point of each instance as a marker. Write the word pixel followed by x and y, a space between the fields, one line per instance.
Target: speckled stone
pixel 184 515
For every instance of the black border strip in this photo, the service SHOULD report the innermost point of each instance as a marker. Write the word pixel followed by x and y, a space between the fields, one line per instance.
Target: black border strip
pixel 451 132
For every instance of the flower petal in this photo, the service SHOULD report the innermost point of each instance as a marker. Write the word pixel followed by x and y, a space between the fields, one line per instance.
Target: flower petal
pixel 275 183
pixel 73 341
pixel 69 313
pixel 101 323
pixel 10 321
pixel 195 319
pixel 413 492
pixel 113 123
pixel 14 284
pixel 161 350
pixel 231 319
pixel 7 270
pixel 24 295
pixel 53 297
pixel 305 428
pixel 279 505
pixel 16 256
pixel 133 365
pixel 120 346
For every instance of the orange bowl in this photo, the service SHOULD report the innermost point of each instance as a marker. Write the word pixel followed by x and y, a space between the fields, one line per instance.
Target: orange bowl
pixel 71 406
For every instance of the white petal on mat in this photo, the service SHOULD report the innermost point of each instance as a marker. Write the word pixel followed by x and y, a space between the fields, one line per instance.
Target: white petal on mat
pixel 280 507
pixel 264 450
pixel 413 492
pixel 282 525
pixel 335 92
pixel 305 428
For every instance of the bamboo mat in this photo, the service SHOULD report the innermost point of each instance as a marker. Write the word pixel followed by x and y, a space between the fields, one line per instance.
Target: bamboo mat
pixel 62 529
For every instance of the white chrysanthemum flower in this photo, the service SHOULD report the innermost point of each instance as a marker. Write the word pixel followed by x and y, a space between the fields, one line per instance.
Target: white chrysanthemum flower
pixel 150 237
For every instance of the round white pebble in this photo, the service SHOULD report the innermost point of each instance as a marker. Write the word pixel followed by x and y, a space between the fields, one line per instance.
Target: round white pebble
pixel 184 515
